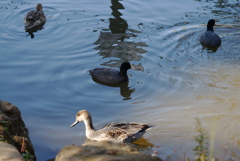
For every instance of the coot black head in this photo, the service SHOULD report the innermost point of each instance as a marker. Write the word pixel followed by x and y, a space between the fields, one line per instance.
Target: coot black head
pixel 210 25
pixel 124 67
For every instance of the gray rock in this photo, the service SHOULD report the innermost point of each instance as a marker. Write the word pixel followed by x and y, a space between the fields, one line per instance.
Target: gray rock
pixel 103 151
pixel 9 153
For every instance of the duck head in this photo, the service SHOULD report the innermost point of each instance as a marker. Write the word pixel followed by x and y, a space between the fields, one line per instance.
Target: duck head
pixel 126 66
pixel 39 7
pixel 82 115
pixel 210 24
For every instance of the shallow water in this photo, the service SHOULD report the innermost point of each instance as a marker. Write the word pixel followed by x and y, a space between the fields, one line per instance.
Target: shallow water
pixel 175 81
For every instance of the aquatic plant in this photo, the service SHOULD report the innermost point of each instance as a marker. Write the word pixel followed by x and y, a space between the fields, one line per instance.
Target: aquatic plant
pixel 202 148
pixel 27 156
pixel 5 136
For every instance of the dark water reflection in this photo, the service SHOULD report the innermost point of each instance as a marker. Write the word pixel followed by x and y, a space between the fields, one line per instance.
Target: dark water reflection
pixel 117 24
pixel 228 10
pixel 116 43
pixel 125 90
pixel 175 81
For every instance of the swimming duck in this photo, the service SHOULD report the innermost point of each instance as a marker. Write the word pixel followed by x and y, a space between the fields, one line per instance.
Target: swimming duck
pixel 35 18
pixel 115 132
pixel 111 76
pixel 209 38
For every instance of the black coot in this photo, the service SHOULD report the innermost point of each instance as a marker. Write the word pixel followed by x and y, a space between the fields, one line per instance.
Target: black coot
pixel 111 76
pixel 209 38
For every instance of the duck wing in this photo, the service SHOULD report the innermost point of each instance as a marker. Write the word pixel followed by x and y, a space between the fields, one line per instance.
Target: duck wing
pixel 34 18
pixel 126 132
pixel 31 16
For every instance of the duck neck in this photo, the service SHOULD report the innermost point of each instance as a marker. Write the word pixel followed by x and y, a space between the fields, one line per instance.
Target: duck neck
pixel 123 72
pixel 210 28
pixel 89 126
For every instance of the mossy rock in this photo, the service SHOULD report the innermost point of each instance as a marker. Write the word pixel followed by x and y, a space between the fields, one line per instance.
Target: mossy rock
pixel 13 130
pixel 103 151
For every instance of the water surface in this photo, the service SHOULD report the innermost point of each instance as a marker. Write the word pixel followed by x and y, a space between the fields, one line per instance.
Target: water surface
pixel 175 81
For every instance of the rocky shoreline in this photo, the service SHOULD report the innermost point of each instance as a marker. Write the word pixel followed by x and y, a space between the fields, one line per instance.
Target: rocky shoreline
pixel 14 134
pixel 15 144
pixel 103 151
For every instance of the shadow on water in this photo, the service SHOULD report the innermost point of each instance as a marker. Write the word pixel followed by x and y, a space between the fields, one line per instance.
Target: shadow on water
pixel 125 90
pixel 210 49
pixel 143 143
pixel 114 44
pixel 117 24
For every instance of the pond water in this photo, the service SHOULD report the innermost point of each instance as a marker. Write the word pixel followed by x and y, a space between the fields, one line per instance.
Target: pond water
pixel 45 73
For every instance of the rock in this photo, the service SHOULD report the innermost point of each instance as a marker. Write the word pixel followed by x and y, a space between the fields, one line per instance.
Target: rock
pixel 9 153
pixel 103 151
pixel 13 130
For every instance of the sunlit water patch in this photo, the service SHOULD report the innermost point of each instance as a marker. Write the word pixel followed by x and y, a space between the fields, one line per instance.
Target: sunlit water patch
pixel 204 84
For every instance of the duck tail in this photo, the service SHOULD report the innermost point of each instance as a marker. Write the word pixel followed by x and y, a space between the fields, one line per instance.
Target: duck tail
pixel 146 128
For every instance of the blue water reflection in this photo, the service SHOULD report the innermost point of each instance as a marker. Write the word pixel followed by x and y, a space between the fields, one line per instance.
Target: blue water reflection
pixel 175 80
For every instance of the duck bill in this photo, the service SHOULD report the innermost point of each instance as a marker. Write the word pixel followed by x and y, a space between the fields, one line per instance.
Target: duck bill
pixel 75 123
pixel 132 67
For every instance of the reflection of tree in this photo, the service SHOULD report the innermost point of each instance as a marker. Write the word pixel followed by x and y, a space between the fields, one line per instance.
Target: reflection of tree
pixel 117 24
pixel 114 44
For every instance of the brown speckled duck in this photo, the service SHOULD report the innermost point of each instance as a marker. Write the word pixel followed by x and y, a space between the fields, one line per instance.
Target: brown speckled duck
pixel 35 19
pixel 115 132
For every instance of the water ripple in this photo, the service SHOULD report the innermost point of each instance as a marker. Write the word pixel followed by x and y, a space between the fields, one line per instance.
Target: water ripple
pixel 179 52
